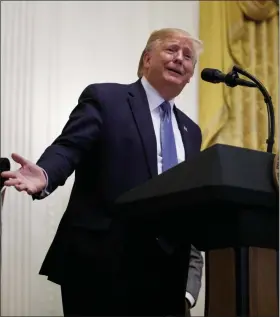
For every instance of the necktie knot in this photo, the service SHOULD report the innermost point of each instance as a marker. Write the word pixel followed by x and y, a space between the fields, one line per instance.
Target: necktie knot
pixel 166 108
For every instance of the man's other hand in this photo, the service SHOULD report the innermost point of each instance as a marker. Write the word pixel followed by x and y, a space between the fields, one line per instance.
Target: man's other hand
pixel 29 177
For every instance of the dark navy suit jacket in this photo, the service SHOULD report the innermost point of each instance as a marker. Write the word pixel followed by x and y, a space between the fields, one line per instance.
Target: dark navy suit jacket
pixel 110 144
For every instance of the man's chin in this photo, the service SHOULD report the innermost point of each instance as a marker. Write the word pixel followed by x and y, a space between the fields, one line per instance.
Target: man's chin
pixel 174 80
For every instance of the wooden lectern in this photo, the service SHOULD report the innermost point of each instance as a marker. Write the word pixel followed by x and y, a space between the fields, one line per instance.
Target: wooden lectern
pixel 225 203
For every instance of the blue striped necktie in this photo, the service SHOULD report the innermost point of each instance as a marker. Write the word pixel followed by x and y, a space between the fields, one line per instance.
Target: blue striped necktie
pixel 167 138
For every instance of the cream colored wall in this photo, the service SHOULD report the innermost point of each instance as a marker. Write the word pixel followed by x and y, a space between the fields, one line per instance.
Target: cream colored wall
pixel 50 52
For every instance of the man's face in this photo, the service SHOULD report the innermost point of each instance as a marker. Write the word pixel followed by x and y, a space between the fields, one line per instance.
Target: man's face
pixel 170 62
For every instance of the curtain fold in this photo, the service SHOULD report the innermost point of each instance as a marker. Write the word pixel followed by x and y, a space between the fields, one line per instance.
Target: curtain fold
pixel 243 33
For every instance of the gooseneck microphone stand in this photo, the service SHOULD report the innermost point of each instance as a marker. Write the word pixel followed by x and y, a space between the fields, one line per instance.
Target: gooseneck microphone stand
pixel 268 101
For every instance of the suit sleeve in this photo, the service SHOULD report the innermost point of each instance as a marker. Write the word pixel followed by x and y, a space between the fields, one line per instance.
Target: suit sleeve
pixel 77 138
pixel 195 273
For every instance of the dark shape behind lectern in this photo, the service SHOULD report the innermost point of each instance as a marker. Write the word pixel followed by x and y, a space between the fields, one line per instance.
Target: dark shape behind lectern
pixel 223 197
pixel 4 166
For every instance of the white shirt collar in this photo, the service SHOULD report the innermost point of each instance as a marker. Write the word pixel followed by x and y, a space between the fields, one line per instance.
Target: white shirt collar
pixel 154 98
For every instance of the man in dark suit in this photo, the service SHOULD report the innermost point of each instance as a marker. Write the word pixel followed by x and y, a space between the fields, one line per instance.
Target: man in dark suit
pixel 116 138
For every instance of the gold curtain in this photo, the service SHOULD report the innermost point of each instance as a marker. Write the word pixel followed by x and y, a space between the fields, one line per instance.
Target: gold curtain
pixel 243 33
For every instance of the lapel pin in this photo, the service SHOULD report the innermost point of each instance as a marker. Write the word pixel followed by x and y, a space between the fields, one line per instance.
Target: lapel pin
pixel 185 128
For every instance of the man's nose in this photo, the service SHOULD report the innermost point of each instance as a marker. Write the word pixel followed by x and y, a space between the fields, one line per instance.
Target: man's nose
pixel 179 57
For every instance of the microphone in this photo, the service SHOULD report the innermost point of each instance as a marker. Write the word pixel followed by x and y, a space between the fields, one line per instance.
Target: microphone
pixel 4 166
pixel 231 79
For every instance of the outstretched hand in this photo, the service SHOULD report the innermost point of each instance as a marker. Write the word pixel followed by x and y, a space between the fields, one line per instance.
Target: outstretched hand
pixel 29 177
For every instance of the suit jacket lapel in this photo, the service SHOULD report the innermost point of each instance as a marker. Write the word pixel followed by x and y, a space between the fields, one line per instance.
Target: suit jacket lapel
pixel 184 131
pixel 139 105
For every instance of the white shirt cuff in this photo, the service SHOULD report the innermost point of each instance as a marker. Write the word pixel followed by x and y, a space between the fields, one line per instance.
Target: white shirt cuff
pixel 190 298
pixel 44 192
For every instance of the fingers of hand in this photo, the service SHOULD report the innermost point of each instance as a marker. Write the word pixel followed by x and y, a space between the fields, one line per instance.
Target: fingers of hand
pixel 12 182
pixel 24 187
pixel 21 187
pixel 19 159
pixel 30 191
pixel 9 174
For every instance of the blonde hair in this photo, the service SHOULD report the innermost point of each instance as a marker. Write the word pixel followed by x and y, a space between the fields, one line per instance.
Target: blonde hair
pixel 163 34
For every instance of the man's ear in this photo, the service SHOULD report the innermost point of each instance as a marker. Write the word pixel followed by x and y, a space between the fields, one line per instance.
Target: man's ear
pixel 147 59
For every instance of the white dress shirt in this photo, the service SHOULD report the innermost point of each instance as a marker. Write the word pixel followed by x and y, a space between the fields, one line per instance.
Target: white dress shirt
pixel 155 100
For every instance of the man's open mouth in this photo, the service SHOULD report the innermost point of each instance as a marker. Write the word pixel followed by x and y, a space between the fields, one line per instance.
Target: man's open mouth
pixel 176 71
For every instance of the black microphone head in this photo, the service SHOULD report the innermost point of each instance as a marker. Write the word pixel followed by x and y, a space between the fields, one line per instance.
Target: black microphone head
pixel 4 166
pixel 212 75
